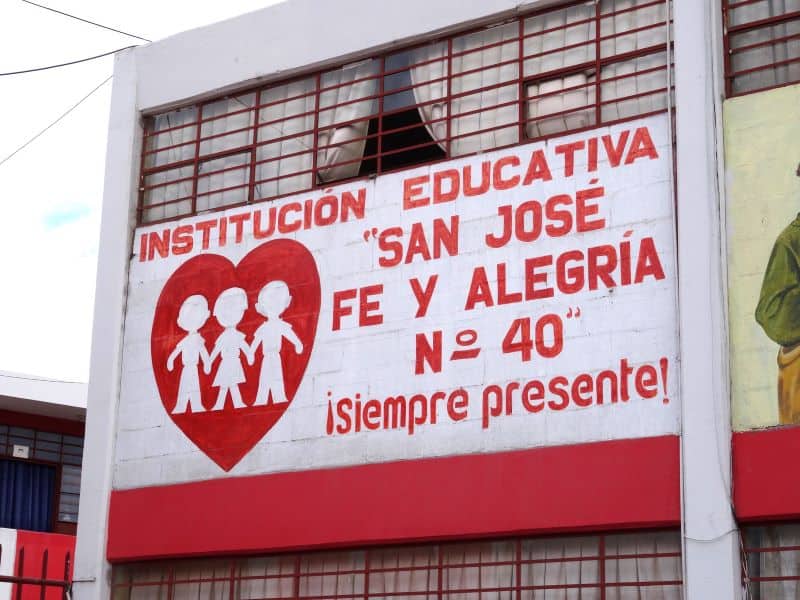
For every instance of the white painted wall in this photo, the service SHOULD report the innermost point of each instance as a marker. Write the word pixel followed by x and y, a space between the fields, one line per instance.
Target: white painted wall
pixel 711 549
pixel 169 72
pixel 266 44
pixel 635 322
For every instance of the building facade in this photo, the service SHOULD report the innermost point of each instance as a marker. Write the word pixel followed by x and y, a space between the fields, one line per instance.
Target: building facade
pixel 41 451
pixel 458 299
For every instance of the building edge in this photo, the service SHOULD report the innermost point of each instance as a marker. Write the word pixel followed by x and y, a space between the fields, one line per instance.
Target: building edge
pixel 710 535
pixel 92 572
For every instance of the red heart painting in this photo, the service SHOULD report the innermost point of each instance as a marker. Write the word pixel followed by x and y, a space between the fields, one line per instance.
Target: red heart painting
pixel 230 344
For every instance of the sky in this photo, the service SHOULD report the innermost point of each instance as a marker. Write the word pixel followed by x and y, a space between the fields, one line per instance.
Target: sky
pixel 52 190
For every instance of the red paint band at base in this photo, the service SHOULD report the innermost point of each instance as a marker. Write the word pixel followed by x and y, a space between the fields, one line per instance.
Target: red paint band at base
pixel 764 488
pixel 600 486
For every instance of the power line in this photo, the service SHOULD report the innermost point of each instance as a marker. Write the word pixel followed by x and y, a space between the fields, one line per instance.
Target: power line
pixel 4 375
pixel 73 107
pixel 66 64
pixel 86 21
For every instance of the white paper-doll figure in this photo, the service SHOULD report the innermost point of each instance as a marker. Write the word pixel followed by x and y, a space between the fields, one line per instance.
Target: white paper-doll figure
pixel 273 299
pixel 192 315
pixel 229 310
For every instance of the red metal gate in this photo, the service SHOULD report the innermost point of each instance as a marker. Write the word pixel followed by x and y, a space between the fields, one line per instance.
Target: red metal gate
pixel 32 582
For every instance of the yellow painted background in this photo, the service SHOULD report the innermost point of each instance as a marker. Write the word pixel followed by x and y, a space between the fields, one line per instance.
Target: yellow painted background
pixel 762 150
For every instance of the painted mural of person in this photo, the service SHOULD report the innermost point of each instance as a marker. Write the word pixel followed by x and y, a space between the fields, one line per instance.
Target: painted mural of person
pixel 778 313
pixel 228 310
pixel 273 299
pixel 192 315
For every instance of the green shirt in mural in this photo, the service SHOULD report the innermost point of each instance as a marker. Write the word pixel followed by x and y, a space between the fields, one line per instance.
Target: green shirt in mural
pixel 778 310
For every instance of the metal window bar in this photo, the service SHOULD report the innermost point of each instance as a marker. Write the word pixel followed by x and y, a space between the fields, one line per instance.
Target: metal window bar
pixel 444 570
pixel 771 560
pixel 170 172
pixel 737 44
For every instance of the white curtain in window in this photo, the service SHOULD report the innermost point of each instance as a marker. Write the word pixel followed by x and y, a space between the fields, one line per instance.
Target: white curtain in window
pixel 774 564
pixel 150 584
pixel 209 580
pixel 285 150
pixel 627 572
pixel 223 181
pixel 349 101
pixel 469 101
pixel 555 41
pixel 473 68
pixel 559 568
pixel 621 86
pixel 573 26
pixel 227 124
pixel 474 566
pixel 770 53
pixel 619 18
pixel 176 143
pixel 332 575
pixel 629 84
pixel 544 99
pixel 562 562
pixel 428 76
pixel 570 27
pixel 401 572
pixel 266 577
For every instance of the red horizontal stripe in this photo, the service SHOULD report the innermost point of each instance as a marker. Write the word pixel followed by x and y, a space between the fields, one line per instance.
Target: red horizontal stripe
pixel 605 485
pixel 51 424
pixel 764 485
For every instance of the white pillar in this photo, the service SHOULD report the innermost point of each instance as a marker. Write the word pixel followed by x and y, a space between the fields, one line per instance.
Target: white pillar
pixel 711 549
pixel 92 572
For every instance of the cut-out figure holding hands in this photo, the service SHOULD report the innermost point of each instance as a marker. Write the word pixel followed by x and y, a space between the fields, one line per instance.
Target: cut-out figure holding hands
pixel 192 315
pixel 273 299
pixel 229 310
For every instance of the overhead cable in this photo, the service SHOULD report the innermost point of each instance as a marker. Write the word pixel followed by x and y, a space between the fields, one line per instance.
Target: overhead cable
pixel 69 110
pixel 86 21
pixel 66 64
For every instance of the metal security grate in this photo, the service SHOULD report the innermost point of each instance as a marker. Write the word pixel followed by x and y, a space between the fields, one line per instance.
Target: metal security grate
pixel 772 561
pixel 762 44
pixel 596 567
pixel 37 575
pixel 561 69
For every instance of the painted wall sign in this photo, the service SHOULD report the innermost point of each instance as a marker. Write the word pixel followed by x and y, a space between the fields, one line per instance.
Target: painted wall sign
pixel 762 159
pixel 520 298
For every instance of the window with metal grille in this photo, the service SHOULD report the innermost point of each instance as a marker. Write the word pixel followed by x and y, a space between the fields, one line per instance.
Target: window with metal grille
pixel 566 68
pixel 772 561
pixel 592 567
pixel 65 451
pixel 762 44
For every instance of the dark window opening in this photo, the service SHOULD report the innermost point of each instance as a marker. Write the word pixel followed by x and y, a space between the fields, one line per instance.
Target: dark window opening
pixel 400 130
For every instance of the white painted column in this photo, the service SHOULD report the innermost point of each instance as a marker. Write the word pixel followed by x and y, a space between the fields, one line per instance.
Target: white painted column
pixel 92 572
pixel 710 539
